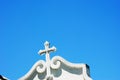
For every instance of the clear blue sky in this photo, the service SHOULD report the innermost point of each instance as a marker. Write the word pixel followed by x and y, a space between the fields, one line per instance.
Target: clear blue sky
pixel 83 32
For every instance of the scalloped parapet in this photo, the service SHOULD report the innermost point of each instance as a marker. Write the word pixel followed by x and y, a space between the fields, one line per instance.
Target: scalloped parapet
pixel 60 70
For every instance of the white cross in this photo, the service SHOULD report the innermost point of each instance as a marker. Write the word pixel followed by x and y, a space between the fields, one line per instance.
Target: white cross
pixel 47 51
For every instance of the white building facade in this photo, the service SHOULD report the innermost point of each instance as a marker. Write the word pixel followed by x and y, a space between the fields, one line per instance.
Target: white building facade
pixel 56 69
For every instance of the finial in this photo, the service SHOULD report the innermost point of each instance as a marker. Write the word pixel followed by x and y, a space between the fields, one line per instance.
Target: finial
pixel 46 43
pixel 47 50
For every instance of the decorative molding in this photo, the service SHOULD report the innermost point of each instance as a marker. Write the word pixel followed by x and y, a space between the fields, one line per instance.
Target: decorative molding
pixel 57 63
pixel 38 68
pixel 57 68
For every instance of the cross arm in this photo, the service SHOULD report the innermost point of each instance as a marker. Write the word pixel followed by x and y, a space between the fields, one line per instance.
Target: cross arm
pixel 41 52
pixel 48 50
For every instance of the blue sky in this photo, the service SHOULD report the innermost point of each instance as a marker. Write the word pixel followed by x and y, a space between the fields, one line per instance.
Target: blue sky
pixel 83 31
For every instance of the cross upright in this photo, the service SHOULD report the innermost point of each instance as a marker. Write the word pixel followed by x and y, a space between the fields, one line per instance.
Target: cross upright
pixel 47 50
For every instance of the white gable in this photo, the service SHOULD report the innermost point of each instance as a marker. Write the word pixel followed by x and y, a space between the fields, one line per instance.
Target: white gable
pixel 56 69
pixel 60 70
